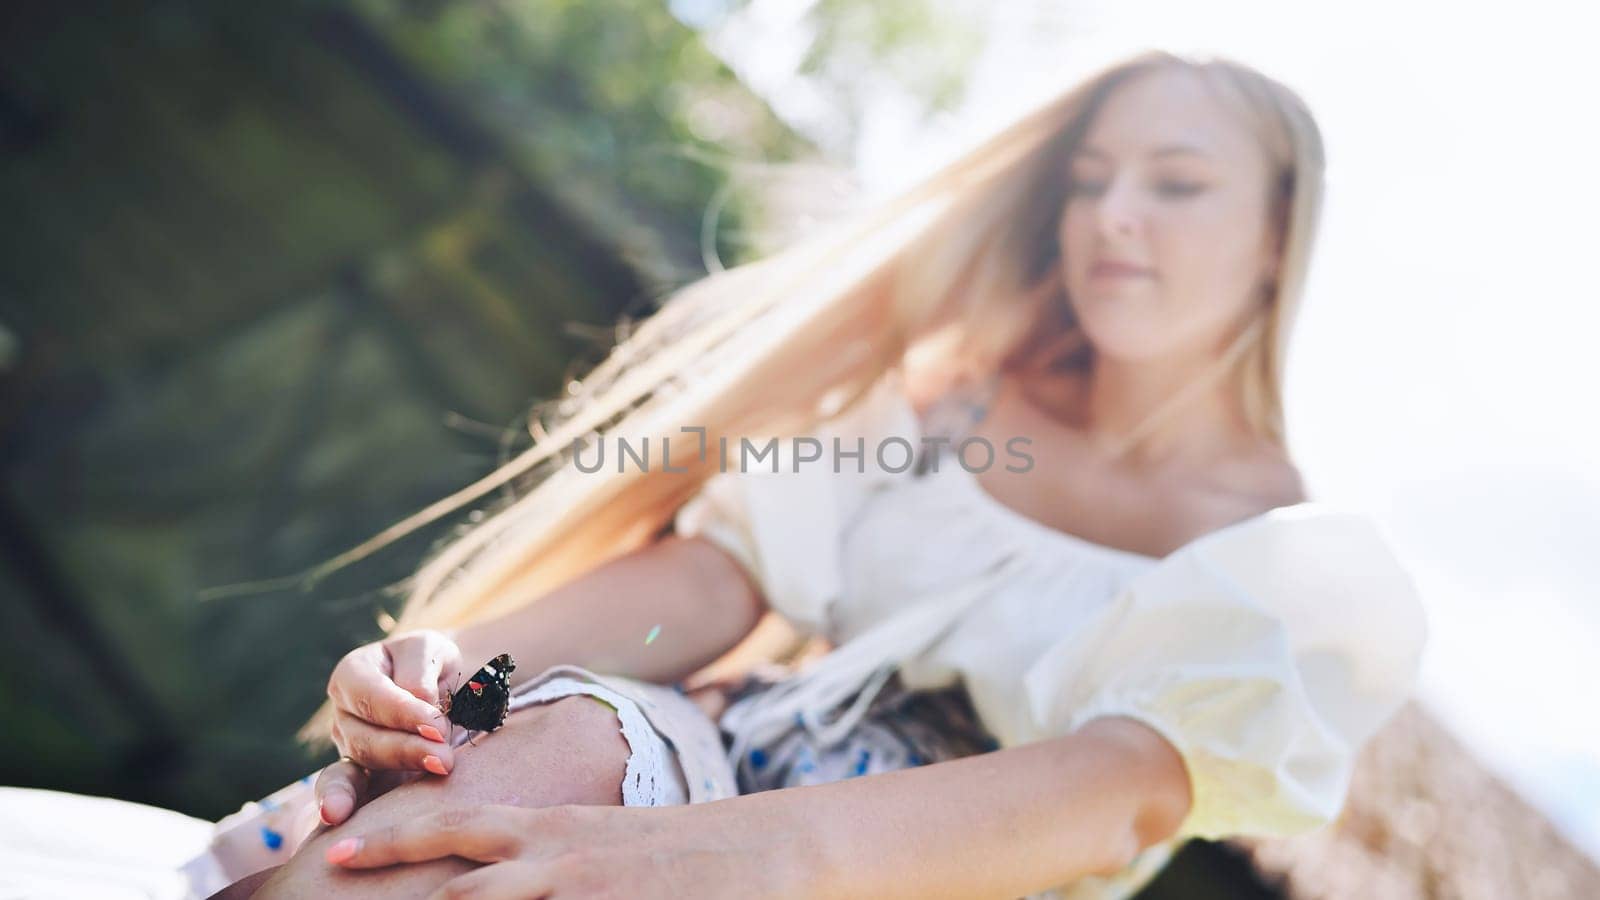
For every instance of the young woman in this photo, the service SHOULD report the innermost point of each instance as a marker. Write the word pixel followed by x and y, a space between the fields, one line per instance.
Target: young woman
pixel 1120 625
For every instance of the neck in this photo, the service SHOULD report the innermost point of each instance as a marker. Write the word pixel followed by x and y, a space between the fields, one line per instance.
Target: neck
pixel 1121 395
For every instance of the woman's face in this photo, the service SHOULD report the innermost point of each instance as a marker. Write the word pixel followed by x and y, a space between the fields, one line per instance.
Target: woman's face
pixel 1165 238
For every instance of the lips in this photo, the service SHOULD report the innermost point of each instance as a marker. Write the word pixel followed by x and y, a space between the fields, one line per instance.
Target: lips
pixel 1115 269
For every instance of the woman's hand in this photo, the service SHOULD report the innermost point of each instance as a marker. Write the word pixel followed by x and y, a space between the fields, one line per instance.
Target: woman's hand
pixel 386 716
pixel 577 851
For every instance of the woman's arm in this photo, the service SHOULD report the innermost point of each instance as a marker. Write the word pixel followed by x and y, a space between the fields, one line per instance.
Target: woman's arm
pixel 999 824
pixel 384 692
pixel 701 597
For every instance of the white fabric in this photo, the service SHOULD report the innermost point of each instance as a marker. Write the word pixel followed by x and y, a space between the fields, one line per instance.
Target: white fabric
pixel 1267 652
pixel 60 846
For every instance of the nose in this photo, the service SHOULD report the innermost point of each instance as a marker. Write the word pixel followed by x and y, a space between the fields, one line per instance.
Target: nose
pixel 1118 210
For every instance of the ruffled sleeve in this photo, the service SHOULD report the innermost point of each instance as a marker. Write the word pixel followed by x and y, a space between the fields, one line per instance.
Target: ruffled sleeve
pixel 1267 653
pixel 786 527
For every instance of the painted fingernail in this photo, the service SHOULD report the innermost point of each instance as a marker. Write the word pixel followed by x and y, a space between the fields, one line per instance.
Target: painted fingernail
pixel 343 850
pixel 431 733
pixel 434 765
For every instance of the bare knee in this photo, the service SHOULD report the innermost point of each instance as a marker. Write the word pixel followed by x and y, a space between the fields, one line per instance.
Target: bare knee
pixel 567 751
pixel 587 754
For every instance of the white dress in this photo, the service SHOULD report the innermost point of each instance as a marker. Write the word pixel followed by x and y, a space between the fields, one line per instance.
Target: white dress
pixel 1267 652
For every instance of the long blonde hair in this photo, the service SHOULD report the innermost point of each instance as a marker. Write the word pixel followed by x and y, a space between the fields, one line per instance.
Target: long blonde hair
pixel 957 276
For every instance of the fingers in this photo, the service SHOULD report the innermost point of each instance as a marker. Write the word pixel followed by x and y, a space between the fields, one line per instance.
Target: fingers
pixel 339 790
pixel 361 687
pixel 387 748
pixel 419 661
pixel 513 880
pixel 481 833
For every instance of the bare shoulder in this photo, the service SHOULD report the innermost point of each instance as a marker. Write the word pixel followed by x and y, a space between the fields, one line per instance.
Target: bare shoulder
pixel 1242 487
pixel 1272 478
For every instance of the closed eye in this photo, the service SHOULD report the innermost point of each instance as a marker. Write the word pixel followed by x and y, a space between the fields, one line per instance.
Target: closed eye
pixel 1178 189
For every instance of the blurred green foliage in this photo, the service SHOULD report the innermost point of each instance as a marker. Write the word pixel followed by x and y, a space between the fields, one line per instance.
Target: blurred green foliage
pixel 904 41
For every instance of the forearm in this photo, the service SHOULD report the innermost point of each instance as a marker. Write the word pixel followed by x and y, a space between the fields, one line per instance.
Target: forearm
pixel 996 825
pixel 602 619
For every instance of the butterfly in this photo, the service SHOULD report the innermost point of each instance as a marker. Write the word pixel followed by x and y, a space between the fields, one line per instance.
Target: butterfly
pixel 481 704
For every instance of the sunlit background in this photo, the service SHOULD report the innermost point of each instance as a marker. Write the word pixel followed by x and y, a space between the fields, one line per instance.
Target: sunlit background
pixel 272 279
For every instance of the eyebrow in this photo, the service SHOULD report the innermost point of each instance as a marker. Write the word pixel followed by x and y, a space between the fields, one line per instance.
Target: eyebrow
pixel 1163 150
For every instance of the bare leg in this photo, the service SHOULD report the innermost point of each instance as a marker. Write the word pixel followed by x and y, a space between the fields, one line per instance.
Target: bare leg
pixel 570 750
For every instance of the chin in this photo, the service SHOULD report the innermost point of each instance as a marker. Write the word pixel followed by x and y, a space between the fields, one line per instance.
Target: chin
pixel 1131 350
pixel 1125 333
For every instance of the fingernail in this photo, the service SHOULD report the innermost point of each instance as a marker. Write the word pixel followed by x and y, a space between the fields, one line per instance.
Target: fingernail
pixel 343 850
pixel 322 813
pixel 434 765
pixel 431 733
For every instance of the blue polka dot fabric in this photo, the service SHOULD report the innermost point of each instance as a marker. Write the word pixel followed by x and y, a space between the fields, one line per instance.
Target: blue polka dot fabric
pixel 901 729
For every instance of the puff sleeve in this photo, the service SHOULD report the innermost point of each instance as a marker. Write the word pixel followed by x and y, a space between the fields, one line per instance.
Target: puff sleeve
pixel 787 527
pixel 1267 653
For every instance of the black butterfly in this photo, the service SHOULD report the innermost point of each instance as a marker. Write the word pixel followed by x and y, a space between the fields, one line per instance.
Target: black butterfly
pixel 481 704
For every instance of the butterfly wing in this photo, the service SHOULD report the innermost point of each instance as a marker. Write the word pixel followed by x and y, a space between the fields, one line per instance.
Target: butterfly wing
pixel 481 704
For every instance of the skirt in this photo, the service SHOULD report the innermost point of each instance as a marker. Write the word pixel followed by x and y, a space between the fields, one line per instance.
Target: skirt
pixel 902 728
